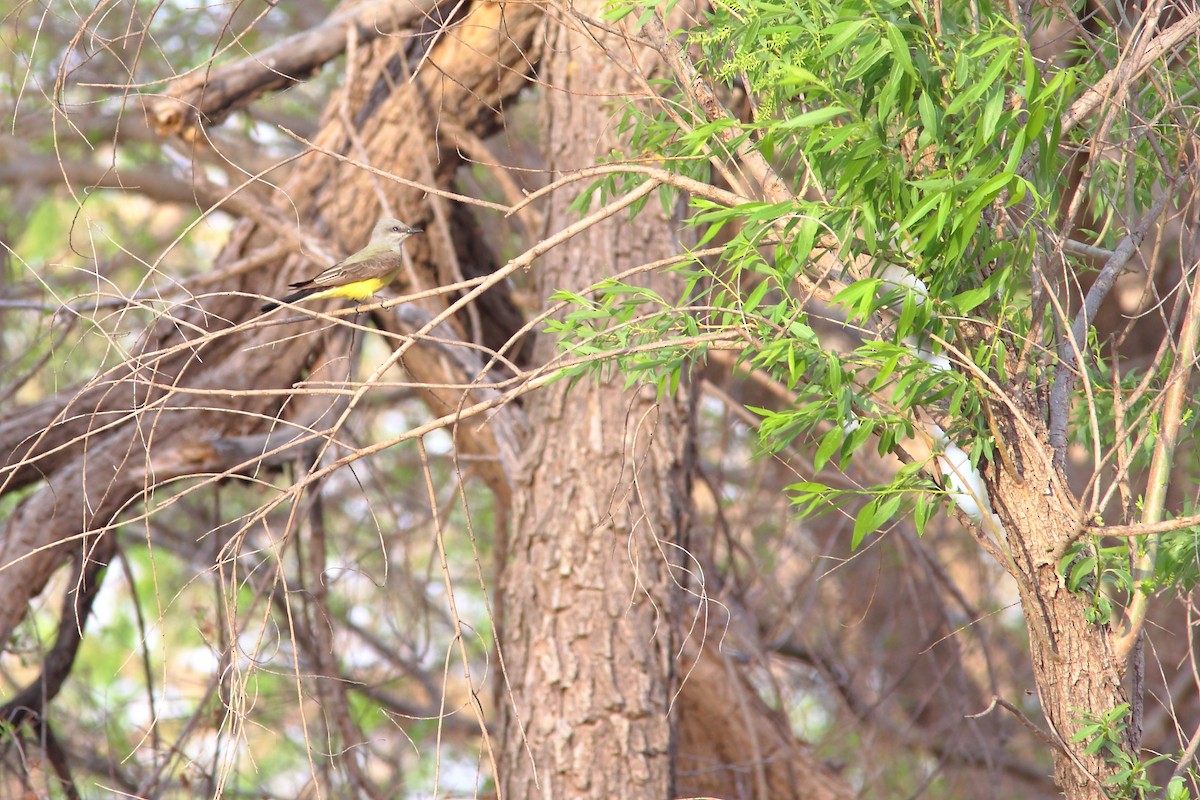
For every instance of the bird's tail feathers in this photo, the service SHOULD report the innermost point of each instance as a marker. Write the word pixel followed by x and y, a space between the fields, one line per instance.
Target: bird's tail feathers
pixel 291 298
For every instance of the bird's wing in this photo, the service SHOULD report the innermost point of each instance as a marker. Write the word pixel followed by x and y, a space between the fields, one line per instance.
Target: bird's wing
pixel 349 271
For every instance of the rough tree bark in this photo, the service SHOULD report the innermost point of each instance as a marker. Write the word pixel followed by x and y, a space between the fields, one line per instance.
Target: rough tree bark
pixel 588 605
pixel 1073 661
pixel 599 700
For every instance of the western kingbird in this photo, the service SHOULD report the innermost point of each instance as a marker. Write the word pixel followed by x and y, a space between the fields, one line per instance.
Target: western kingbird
pixel 358 276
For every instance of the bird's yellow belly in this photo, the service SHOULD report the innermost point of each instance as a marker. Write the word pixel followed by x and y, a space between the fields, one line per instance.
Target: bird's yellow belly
pixel 359 290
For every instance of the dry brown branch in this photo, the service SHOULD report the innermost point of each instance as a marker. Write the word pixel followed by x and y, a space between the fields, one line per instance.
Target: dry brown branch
pixel 1125 72
pixel 143 426
pixel 20 166
pixel 753 752
pixel 207 96
pixel 1145 528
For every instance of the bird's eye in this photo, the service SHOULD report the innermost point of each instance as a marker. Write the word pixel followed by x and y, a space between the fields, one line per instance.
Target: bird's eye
pixel 396 228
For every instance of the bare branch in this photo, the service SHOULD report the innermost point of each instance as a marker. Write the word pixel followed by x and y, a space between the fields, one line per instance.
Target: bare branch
pixel 1145 528
pixel 1155 49
pixel 163 185
pixel 1177 402
pixel 29 705
pixel 1072 344
pixel 212 95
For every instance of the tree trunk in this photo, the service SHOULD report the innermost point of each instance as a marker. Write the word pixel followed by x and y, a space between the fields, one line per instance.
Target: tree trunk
pixel 1072 658
pixel 614 684
pixel 589 604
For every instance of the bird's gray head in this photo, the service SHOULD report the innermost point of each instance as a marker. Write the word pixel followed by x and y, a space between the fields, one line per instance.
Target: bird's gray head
pixel 392 232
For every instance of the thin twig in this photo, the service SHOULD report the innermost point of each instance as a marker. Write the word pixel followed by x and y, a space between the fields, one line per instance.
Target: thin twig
pixel 1072 343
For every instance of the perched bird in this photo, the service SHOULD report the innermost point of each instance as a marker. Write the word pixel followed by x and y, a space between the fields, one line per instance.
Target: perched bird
pixel 361 275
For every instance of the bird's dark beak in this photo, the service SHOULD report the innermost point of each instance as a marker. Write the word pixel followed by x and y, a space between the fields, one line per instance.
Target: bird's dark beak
pixel 415 230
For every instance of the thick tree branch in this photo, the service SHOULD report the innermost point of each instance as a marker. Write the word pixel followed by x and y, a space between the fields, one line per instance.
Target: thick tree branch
pixel 211 95
pixel 29 705
pixel 163 185
pixel 57 756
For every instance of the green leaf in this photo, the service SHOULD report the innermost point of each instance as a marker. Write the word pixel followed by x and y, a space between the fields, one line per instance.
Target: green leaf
pixel 899 49
pixel 863 524
pixel 831 442
pixel 923 208
pixel 885 371
pixel 1082 569
pixel 965 302
pixel 841 33
pixel 991 116
pixel 873 516
pixel 930 118
pixel 923 510
pixel 756 296
pixel 859 295
pixel 987 191
pixel 813 118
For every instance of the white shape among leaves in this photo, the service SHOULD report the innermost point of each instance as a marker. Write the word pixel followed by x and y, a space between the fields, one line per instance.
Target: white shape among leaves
pixel 964 483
